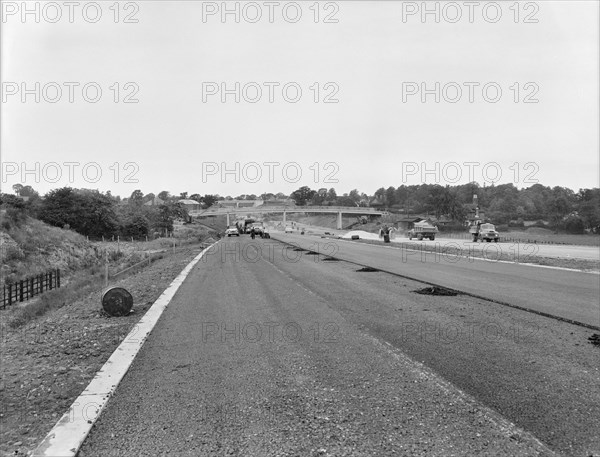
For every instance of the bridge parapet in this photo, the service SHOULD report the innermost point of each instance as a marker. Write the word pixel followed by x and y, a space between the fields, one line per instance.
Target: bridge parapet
pixel 287 209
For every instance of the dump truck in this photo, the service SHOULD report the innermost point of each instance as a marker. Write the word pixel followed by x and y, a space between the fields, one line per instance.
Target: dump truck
pixel 422 230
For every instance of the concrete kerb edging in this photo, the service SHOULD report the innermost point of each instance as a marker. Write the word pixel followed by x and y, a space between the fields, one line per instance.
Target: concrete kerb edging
pixel 67 436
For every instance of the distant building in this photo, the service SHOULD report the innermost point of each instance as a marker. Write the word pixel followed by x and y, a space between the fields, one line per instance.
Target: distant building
pixel 155 202
pixel 441 221
pixel 190 205
pixel 376 203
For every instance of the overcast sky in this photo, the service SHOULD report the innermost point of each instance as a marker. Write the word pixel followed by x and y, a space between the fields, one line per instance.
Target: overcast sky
pixel 373 58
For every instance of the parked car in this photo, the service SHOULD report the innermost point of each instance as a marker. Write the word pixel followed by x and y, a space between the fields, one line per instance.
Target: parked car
pixel 289 229
pixel 232 230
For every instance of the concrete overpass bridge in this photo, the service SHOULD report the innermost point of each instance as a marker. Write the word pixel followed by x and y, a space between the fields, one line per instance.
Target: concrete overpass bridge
pixel 253 210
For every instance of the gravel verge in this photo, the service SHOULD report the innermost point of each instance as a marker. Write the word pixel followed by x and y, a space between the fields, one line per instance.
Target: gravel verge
pixel 47 363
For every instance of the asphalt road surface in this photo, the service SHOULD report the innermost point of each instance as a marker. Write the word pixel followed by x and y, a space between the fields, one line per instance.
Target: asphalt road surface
pixel 515 250
pixel 568 294
pixel 265 350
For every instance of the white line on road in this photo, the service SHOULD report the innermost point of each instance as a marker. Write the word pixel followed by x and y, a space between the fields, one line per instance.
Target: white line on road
pixel 67 436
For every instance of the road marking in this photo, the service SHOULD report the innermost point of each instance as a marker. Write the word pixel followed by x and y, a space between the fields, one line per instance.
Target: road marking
pixel 67 436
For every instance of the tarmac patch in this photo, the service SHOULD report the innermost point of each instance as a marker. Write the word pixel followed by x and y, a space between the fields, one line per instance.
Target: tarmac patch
pixel 436 290
pixel 595 339
pixel 367 270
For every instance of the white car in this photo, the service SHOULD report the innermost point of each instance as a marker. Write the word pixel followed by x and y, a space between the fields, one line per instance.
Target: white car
pixel 232 230
pixel 288 230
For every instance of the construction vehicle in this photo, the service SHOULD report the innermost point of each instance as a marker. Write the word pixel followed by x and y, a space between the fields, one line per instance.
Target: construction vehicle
pixel 480 231
pixel 422 230
pixel 486 232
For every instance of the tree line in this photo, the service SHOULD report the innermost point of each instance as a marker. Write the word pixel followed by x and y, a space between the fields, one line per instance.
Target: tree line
pixel 96 214
pixel 558 207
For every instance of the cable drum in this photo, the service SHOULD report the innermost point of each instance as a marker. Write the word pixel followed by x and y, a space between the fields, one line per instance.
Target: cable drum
pixel 117 301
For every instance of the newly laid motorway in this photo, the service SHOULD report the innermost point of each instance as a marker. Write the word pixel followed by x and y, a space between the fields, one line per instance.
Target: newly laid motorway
pixel 270 349
pixel 571 295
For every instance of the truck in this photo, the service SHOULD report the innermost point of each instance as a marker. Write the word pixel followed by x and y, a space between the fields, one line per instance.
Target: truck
pixel 484 232
pixel 422 230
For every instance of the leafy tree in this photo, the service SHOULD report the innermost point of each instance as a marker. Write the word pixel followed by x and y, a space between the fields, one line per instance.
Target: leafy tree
pixel 136 225
pixel 88 212
pixel 302 195
pixel 149 197
pixel 354 196
pixel 136 198
pixel 28 191
pixel 209 200
pixel 164 195
pixel 332 195
pixel 574 225
pixel 589 208
pixel 165 216
pixel 318 198
pixel 390 196
pixel 267 196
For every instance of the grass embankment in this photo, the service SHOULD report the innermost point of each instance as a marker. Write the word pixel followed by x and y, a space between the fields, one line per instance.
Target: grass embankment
pixel 30 247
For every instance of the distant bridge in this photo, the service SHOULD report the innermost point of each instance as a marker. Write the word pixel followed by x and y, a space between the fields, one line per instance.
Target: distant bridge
pixel 265 209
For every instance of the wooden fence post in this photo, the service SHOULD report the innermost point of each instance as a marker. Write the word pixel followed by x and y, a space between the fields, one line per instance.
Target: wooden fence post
pixel 31 284
pixel 50 279
pixel 21 290
pixel 9 294
pixel 57 277
pixel 106 270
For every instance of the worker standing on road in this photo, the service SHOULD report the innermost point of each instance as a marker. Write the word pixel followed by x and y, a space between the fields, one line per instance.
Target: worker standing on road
pixel 252 233
pixel 477 230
